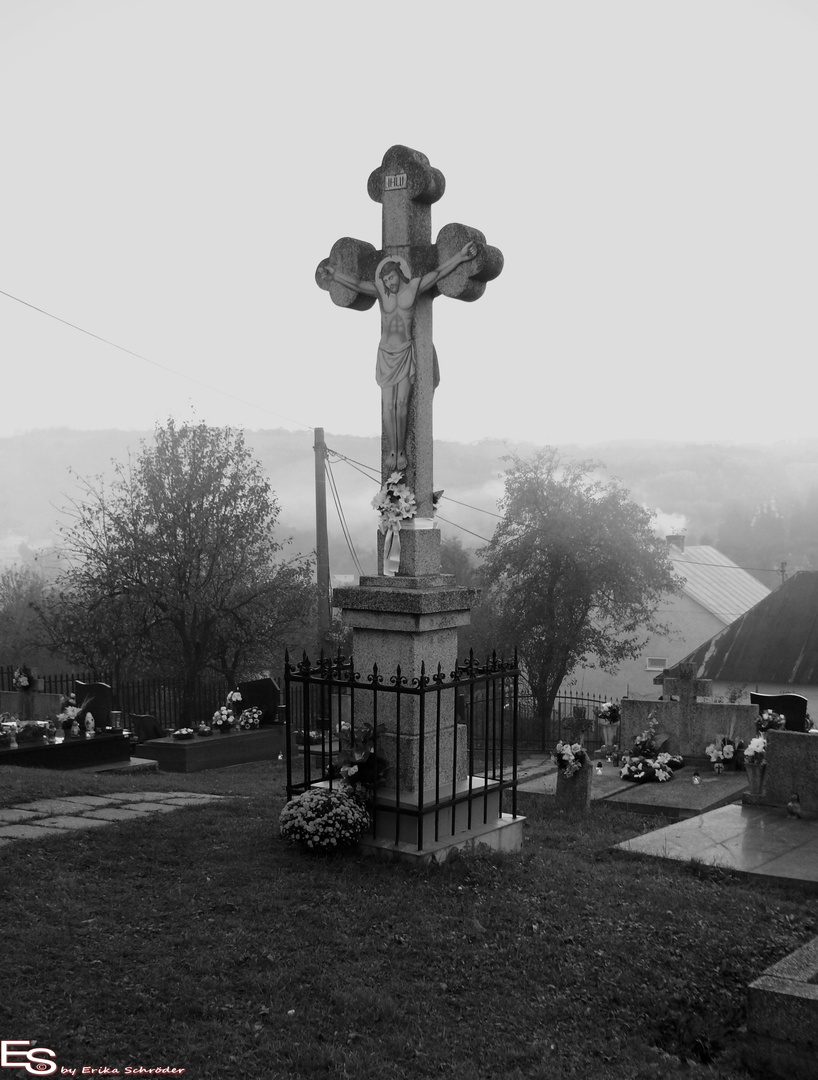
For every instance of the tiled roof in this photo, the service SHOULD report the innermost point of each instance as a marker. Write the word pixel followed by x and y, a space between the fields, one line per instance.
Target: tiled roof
pixel 715 582
pixel 774 642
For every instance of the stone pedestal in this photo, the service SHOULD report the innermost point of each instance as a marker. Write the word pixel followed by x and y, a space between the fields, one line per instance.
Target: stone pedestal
pixel 410 622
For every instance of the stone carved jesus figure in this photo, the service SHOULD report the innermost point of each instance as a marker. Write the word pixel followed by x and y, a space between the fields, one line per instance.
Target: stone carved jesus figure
pixel 397 292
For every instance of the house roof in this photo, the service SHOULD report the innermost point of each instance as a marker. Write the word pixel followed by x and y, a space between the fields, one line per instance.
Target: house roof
pixel 776 641
pixel 716 582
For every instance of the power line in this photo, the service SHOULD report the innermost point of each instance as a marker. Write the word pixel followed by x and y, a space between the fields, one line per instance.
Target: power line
pixel 463 529
pixel 366 470
pixel 155 363
pixel 336 498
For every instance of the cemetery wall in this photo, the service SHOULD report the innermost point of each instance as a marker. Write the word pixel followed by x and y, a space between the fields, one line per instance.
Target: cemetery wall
pixel 721 689
pixel 690 728
pixel 43 705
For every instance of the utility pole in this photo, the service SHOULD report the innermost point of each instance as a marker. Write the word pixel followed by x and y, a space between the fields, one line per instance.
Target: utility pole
pixel 321 541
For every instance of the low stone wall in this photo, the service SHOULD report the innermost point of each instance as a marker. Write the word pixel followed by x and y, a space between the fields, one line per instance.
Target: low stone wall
pixel 690 728
pixel 41 705
pixel 792 766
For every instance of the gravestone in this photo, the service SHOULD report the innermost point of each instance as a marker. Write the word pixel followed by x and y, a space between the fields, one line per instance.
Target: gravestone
pixel 793 707
pixel 689 724
pixel 791 768
pixel 95 698
pixel 264 694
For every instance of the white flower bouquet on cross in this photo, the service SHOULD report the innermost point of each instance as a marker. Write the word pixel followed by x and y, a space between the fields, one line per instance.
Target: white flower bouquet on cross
pixel 395 503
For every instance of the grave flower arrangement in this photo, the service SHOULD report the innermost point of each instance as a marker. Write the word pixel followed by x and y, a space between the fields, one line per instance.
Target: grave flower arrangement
pixel 770 721
pixel 756 752
pixel 184 733
pixel 323 819
pixel 644 770
pixel 8 731
pixel 204 729
pixel 360 768
pixel 395 502
pixel 32 732
pixel 570 757
pixel 646 763
pixel 234 699
pixel 645 744
pixel 223 719
pixel 250 718
pixel 608 713
pixel 22 679
pixel 311 737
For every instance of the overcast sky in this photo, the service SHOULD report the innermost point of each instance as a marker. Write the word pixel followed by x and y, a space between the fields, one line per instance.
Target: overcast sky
pixel 174 170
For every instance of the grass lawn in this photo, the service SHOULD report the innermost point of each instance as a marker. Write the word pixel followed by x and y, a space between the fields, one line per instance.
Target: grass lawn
pixel 199 941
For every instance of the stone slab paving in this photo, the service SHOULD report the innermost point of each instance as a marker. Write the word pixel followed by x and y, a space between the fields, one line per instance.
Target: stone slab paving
pixel 68 822
pixel 52 817
pixel 12 815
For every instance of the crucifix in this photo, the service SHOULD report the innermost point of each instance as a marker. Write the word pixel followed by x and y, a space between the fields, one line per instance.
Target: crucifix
pixel 403 277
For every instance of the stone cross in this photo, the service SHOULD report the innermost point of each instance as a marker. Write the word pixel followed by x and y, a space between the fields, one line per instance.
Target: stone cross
pixel 356 274
pixel 686 687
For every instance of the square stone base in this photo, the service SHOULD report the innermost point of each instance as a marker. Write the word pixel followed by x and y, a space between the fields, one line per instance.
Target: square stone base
pixel 504 834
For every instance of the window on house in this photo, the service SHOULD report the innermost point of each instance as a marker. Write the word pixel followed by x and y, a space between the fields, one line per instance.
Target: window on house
pixel 656 663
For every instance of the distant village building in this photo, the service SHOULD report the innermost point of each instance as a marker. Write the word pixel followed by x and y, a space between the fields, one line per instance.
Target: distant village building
pixel 716 592
pixel 770 649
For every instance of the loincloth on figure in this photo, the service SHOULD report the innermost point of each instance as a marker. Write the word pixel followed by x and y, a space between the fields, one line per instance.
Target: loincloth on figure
pixel 395 365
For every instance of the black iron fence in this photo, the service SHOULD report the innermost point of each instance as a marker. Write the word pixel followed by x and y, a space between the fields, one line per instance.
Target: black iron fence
pixel 448 741
pixel 570 714
pixel 162 698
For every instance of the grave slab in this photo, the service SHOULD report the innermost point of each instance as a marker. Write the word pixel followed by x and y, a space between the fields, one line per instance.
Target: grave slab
pixel 104 748
pixel 782 1018
pixel 745 839
pixel 215 752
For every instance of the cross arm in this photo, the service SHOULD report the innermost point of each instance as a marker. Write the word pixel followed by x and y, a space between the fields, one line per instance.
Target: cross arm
pixel 467 281
pixel 352 282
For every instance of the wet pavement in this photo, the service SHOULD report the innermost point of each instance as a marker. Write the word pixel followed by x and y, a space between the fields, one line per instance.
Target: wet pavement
pixel 705 822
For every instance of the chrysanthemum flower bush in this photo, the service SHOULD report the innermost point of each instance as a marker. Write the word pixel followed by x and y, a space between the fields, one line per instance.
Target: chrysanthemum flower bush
pixel 323 819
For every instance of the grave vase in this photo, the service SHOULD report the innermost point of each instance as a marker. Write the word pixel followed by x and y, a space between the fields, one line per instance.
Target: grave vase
pixel 755 776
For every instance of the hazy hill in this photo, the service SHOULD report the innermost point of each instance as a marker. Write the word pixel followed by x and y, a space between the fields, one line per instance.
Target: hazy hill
pixel 703 490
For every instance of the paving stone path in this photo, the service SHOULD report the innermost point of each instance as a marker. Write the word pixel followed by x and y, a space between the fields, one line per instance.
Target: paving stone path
pixel 50 817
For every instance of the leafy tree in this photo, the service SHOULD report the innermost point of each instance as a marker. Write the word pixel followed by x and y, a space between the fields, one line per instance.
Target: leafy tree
pixel 454 559
pixel 21 639
pixel 174 563
pixel 573 574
